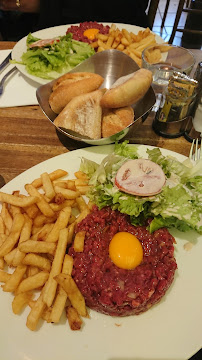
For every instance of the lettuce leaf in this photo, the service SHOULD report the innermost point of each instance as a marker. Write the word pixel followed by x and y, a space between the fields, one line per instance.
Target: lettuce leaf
pixel 55 59
pixel 126 150
pixel 178 205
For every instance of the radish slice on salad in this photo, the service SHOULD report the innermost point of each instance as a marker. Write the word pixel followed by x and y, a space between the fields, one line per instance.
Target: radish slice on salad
pixel 43 42
pixel 140 177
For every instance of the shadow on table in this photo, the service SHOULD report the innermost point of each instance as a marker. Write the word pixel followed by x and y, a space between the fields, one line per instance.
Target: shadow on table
pixel 69 143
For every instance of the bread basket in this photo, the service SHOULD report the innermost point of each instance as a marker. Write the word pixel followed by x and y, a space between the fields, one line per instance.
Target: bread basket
pixel 111 65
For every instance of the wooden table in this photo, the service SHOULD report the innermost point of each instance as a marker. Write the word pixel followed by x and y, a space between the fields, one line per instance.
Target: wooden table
pixel 27 137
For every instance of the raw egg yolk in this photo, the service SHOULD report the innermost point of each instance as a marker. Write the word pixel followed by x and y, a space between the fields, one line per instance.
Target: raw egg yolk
pixel 90 33
pixel 125 250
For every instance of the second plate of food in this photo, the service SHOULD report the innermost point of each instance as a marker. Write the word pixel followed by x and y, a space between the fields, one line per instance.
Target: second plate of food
pixel 57 31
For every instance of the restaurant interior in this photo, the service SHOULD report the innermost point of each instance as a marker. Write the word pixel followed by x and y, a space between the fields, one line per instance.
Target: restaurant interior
pixel 189 19
pixel 30 140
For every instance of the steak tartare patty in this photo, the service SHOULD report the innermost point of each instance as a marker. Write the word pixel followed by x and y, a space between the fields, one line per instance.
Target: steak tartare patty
pixel 78 30
pixel 114 291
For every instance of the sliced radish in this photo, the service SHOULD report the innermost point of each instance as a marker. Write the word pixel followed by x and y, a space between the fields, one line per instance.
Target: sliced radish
pixel 140 177
pixel 43 42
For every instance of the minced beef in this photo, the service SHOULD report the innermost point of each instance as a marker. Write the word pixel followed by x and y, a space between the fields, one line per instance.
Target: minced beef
pixel 78 30
pixel 114 291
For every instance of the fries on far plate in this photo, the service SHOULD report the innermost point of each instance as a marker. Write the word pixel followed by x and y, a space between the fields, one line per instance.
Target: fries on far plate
pixel 153 54
pixel 123 40
pixel 35 231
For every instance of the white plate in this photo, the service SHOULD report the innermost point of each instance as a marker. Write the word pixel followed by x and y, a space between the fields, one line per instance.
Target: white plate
pixel 48 33
pixel 171 330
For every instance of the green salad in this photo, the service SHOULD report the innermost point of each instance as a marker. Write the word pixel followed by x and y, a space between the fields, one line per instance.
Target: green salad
pixel 54 59
pixel 179 204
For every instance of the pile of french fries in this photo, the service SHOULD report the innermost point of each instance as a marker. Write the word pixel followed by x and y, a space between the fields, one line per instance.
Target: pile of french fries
pixel 35 231
pixel 123 40
pixel 153 54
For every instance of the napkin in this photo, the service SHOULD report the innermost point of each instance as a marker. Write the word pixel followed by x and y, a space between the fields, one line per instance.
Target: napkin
pixel 19 90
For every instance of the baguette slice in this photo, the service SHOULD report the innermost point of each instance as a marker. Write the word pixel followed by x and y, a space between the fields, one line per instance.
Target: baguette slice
pixel 83 114
pixel 70 85
pixel 115 120
pixel 128 89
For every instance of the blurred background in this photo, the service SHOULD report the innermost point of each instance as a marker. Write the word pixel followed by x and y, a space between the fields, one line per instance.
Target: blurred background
pixel 189 24
pixel 176 21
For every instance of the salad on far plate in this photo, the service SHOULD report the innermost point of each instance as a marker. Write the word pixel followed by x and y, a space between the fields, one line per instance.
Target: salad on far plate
pixel 50 58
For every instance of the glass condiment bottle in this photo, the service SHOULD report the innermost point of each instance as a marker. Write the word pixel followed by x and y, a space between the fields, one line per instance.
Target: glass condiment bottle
pixel 178 98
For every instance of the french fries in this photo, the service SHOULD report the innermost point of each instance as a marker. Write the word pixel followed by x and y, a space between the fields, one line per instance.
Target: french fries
pixel 15 279
pixel 41 203
pixel 37 260
pixel 4 276
pixel 15 200
pixel 36 313
pixel 37 247
pixel 74 294
pixel 51 285
pixel 57 174
pixel 2 225
pixel 61 297
pixel 47 186
pixel 153 55
pixel 74 319
pixel 13 237
pixel 32 282
pixel 35 231
pixel 60 224
pixel 125 41
pixel 20 301
pixel 79 241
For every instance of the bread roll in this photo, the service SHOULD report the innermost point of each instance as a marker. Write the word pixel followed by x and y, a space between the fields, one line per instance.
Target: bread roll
pixel 68 78
pixel 83 114
pixel 115 120
pixel 127 90
pixel 70 85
